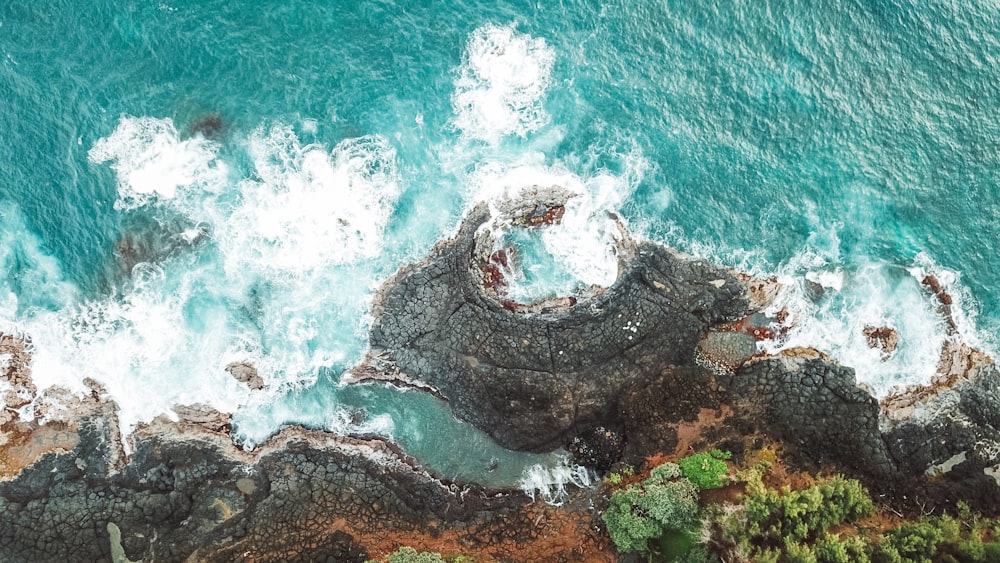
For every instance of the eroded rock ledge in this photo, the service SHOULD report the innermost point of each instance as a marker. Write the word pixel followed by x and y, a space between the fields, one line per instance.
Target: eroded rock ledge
pixel 671 339
pixel 535 381
pixel 186 493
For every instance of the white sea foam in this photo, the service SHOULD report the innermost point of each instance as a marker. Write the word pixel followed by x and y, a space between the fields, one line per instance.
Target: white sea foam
pixel 964 308
pixel 873 294
pixel 549 482
pixel 311 207
pixel 584 243
pixel 152 162
pixel 278 277
pixel 501 84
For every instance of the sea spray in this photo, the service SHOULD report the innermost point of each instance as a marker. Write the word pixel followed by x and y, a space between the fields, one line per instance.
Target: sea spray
pixel 152 162
pixel 852 299
pixel 549 482
pixel 309 207
pixel 501 84
pixel 250 281
pixel 582 247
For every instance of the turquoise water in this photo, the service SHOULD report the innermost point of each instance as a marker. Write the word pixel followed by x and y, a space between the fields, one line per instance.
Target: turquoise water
pixel 853 144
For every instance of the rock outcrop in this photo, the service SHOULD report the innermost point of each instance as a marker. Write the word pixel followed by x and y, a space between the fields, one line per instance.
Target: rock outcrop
pixel 188 494
pixel 533 381
pixel 672 337
pixel 664 358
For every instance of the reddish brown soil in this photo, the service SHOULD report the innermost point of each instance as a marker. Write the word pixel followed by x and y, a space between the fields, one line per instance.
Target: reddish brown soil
pixel 26 443
pixel 555 534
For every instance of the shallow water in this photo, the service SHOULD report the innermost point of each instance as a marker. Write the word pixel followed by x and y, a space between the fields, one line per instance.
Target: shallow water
pixel 259 171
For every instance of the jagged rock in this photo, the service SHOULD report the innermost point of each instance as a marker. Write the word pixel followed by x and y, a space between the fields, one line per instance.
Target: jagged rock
pixel 15 370
pixel 245 372
pixel 882 338
pixel 761 293
pixel 814 290
pixel 204 416
pixel 958 359
pixel 944 300
pixel 599 448
pixel 535 206
pixel 186 494
pixel 817 408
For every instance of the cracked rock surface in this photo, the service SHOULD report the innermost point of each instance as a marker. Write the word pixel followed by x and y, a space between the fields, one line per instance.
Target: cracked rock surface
pixel 651 352
pixel 533 381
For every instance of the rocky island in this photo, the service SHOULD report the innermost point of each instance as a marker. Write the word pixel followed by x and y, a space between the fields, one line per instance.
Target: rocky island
pixel 663 361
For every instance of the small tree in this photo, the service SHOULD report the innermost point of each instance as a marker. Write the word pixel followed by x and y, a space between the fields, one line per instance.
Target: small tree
pixel 640 513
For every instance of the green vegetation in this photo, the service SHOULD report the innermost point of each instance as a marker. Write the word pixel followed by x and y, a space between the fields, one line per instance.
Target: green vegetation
pixel 943 538
pixel 774 518
pixel 707 470
pixel 645 511
pixel 792 525
pixel 662 519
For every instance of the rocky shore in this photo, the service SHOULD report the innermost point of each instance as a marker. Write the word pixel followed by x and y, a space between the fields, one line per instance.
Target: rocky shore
pixel 673 337
pixel 187 493
pixel 664 359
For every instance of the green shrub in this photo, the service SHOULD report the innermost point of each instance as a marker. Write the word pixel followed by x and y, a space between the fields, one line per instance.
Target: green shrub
pixel 719 454
pixel 640 513
pixel 831 549
pixel 913 541
pixel 409 555
pixel 991 551
pixel 705 470
pixel 802 516
pixel 664 473
pixel 697 554
pixel 940 539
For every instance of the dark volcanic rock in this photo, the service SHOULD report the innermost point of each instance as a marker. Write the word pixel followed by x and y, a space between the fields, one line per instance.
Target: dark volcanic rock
pixel 815 407
pixel 533 381
pixel 599 447
pixel 657 351
pixel 199 499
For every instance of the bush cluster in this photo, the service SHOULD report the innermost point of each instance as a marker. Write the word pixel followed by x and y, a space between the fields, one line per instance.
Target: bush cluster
pixel 706 470
pixel 643 512
pixel 943 538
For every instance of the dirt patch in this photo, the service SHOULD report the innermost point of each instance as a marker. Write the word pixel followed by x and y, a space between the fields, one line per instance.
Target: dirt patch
pixel 28 442
pixel 690 435
pixel 730 494
pixel 537 533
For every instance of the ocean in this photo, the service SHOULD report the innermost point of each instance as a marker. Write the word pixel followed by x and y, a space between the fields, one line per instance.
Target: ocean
pixel 186 184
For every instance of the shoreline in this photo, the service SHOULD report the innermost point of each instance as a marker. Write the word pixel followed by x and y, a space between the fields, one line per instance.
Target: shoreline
pixel 691 375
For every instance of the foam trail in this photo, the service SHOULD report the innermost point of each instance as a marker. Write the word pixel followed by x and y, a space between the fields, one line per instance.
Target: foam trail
pixel 33 280
pixel 549 482
pixel 501 83
pixel 153 163
pixel 274 270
